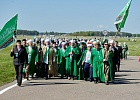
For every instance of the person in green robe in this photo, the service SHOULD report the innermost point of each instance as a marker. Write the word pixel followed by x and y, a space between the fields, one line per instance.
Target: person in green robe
pixel 96 61
pixel 62 60
pixel 108 63
pixel 125 51
pixel 72 53
pixel 39 61
pixel 85 63
pixel 32 57
pixel 56 61
pixel 83 48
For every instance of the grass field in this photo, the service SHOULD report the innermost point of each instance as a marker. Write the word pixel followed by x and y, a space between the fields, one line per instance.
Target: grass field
pixel 7 73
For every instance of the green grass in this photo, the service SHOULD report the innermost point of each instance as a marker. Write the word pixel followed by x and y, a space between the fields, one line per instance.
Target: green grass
pixel 7 72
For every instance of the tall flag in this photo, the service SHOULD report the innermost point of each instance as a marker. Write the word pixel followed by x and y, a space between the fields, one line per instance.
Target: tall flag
pixel 121 19
pixel 8 32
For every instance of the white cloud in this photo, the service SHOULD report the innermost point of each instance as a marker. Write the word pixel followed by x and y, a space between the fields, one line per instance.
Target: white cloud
pixel 101 27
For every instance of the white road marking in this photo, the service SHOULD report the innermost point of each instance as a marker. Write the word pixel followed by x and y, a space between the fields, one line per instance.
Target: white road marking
pixel 10 87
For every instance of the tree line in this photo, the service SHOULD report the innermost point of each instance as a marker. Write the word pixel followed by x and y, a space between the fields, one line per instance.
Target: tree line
pixel 81 33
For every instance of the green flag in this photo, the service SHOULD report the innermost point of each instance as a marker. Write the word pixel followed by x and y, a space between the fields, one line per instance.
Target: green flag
pixel 7 32
pixel 121 19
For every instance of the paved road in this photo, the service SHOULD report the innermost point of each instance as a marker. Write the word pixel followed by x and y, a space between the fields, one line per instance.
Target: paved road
pixel 126 87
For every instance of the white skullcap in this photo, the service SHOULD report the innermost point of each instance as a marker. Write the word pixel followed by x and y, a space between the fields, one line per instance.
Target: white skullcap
pixel 83 41
pixel 30 41
pixel 124 43
pixel 96 42
pixel 63 43
pixel 111 41
pixel 42 39
pixel 72 41
pixel 89 45
pixel 47 40
pixel 91 40
pixel 119 44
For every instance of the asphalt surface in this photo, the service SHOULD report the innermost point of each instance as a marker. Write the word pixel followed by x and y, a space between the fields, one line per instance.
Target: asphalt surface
pixel 125 87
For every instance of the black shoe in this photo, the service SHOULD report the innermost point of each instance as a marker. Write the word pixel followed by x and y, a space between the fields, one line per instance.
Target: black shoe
pixel 90 80
pixel 27 78
pixel 85 79
pixel 106 83
pixel 19 84
pixel 95 82
pixel 46 78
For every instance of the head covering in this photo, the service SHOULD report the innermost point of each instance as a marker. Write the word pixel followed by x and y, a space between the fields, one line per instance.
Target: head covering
pixel 119 44
pixel 42 39
pixel 47 40
pixel 72 41
pixel 96 42
pixel 30 41
pixel 111 41
pixel 106 43
pixel 63 43
pixel 124 43
pixel 89 45
pixel 91 40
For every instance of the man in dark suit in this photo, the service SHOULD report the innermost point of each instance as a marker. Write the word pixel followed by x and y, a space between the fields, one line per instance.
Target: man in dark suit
pixel 119 55
pixel 20 56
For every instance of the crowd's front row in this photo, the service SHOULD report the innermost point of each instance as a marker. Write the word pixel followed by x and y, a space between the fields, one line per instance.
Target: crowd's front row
pixel 89 60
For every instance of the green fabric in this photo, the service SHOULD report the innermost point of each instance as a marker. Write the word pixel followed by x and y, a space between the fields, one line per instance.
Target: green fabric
pixel 46 53
pixel 7 32
pixel 32 66
pixel 81 73
pixel 71 66
pixel 121 19
pixel 62 62
pixel 57 55
pixel 97 63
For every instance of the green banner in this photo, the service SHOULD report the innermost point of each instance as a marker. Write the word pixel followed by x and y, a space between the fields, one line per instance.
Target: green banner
pixel 7 32
pixel 121 19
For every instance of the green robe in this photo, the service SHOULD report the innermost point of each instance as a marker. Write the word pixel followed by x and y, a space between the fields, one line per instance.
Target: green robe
pixel 39 60
pixel 97 63
pixel 32 58
pixel 81 73
pixel 71 62
pixel 62 62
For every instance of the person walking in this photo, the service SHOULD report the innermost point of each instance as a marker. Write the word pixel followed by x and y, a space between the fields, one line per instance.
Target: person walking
pixel 20 56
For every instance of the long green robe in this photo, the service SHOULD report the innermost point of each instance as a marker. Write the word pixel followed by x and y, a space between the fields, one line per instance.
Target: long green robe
pixel 39 60
pixel 71 63
pixel 97 63
pixel 32 58
pixel 62 62
pixel 81 73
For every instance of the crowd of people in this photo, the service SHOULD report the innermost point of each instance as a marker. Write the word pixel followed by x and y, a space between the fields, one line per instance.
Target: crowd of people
pixel 82 59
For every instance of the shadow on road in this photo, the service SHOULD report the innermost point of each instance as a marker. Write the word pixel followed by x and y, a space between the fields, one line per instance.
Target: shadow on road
pixel 47 83
pixel 129 71
pixel 126 81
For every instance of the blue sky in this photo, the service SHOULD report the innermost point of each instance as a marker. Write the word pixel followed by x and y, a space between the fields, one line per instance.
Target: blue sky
pixel 69 15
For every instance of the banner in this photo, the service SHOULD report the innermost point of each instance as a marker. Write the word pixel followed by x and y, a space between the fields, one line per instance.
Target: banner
pixel 121 19
pixel 7 32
